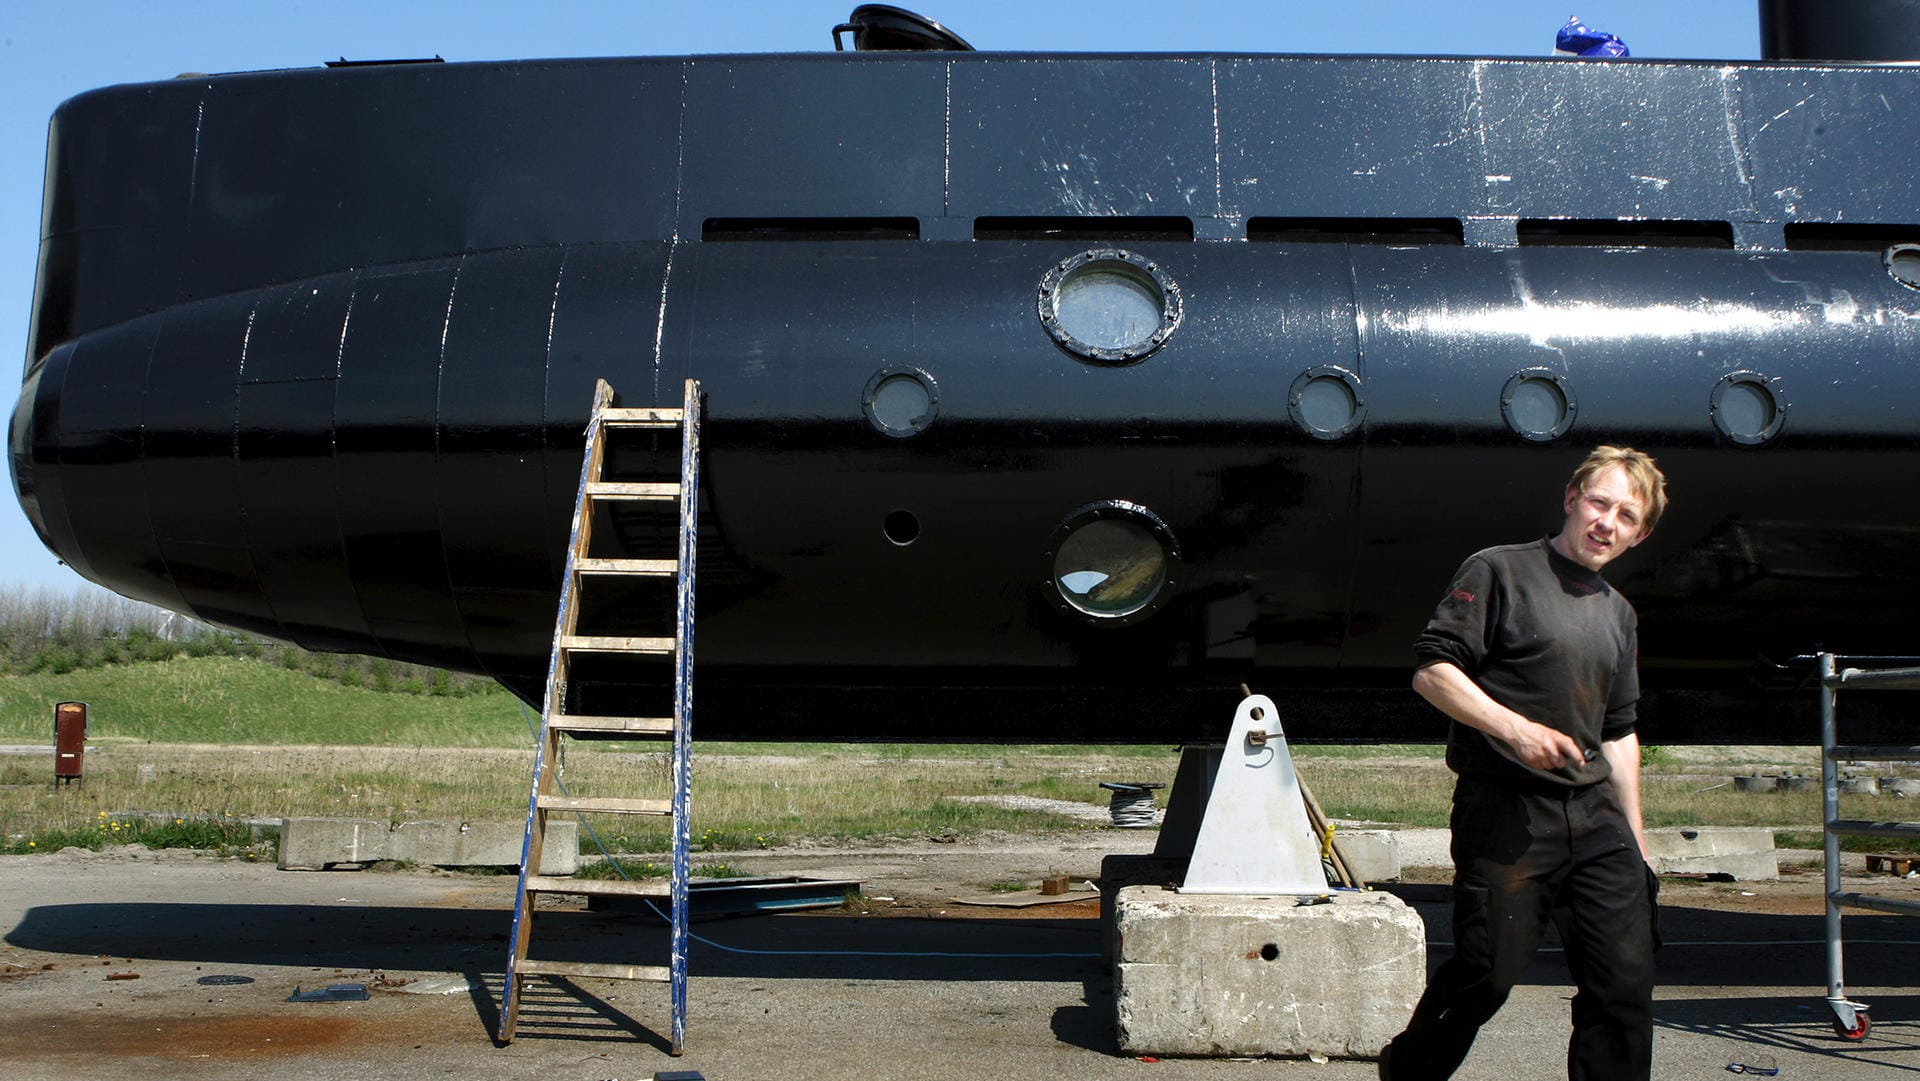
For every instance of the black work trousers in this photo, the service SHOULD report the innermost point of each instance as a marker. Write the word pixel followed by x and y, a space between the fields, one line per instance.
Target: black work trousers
pixel 1522 857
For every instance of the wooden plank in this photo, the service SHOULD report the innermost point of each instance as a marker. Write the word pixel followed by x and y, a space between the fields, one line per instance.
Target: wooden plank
pixel 633 726
pixel 594 643
pixel 651 973
pixel 633 489
pixel 650 568
pixel 606 805
pixel 642 417
pixel 600 887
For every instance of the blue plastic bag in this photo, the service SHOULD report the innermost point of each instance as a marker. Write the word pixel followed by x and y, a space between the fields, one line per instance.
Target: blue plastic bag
pixel 1575 39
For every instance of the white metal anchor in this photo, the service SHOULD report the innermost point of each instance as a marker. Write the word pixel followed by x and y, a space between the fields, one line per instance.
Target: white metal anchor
pixel 1254 838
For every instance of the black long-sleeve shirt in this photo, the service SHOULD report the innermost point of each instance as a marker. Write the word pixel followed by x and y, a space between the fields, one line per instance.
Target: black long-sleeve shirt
pixel 1544 637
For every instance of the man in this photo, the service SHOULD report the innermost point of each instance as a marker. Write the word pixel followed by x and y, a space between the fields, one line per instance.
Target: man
pixel 1532 655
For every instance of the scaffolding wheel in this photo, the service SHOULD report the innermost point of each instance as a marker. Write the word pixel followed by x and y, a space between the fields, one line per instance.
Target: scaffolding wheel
pixel 1856 1031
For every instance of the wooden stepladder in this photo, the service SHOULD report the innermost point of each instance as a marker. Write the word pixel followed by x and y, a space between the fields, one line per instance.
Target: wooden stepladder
pixel 583 573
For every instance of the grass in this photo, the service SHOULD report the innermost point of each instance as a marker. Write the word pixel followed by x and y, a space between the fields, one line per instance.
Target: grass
pixel 229 738
pixel 245 700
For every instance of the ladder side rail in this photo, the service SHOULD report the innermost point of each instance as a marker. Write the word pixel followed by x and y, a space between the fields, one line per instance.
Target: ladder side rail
pixel 1830 839
pixel 683 705
pixel 533 842
pixel 1850 1018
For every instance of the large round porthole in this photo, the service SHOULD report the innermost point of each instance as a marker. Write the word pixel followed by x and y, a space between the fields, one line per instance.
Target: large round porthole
pixel 1747 408
pixel 1537 405
pixel 900 401
pixel 1112 562
pixel 1325 402
pixel 1109 305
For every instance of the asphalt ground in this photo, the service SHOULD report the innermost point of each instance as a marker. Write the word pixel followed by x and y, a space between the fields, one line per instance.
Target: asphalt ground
pixel 101 958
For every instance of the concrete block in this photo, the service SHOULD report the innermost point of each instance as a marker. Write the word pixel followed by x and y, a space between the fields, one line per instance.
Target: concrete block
pixel 314 844
pixel 1119 872
pixel 1859 786
pixel 1218 975
pixel 484 844
pixel 1374 855
pixel 1745 853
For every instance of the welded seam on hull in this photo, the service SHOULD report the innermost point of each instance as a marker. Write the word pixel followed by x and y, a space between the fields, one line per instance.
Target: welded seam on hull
pixel 240 379
pixel 339 494
pixel 1219 198
pixel 546 399
pixel 673 241
pixel 1477 116
pixel 146 462
pixel 1730 97
pixel 946 148
pixel 439 506
pixel 1360 329
pixel 193 171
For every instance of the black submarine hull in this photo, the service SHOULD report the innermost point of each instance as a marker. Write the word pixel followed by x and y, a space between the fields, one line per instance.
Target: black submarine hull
pixel 313 353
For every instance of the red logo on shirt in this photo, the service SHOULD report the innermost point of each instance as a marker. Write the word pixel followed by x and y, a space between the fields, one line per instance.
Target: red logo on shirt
pixel 1462 596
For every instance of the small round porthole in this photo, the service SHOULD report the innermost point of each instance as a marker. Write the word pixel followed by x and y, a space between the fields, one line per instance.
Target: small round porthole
pixel 1112 562
pixel 1325 402
pixel 1109 305
pixel 1903 262
pixel 902 527
pixel 1537 405
pixel 900 401
pixel 1747 408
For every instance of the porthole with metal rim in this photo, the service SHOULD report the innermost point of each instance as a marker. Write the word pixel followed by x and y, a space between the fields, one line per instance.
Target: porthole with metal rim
pixel 1112 563
pixel 1537 404
pixel 900 401
pixel 1903 263
pixel 1749 408
pixel 1109 306
pixel 1326 403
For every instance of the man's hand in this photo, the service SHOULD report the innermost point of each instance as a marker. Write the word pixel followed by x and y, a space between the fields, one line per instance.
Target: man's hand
pixel 1542 747
pixel 1453 693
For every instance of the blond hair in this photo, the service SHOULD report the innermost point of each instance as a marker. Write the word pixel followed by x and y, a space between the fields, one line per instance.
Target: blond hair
pixel 1642 475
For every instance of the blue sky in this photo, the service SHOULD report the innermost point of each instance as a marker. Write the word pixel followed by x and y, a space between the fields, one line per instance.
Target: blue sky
pixel 49 52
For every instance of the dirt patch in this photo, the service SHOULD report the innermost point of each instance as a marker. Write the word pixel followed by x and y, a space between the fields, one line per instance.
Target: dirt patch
pixel 141 1034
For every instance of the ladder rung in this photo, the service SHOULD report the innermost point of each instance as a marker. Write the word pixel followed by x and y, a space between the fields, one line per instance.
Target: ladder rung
pixel 607 805
pixel 600 887
pixel 656 568
pixel 633 489
pixel 1879 753
pixel 534 967
pixel 634 726
pixel 1861 828
pixel 642 417
pixel 594 643
pixel 1899 906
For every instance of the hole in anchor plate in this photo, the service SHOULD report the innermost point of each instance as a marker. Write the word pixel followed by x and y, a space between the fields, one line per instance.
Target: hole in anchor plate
pixel 1269 952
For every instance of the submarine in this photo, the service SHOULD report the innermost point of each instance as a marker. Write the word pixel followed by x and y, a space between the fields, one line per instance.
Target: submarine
pixel 1047 397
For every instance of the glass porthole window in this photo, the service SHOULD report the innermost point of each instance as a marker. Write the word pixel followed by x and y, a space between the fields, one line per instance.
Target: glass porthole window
pixel 1325 402
pixel 1537 405
pixel 1108 305
pixel 900 401
pixel 1112 562
pixel 1748 408
pixel 1903 262
pixel 902 527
